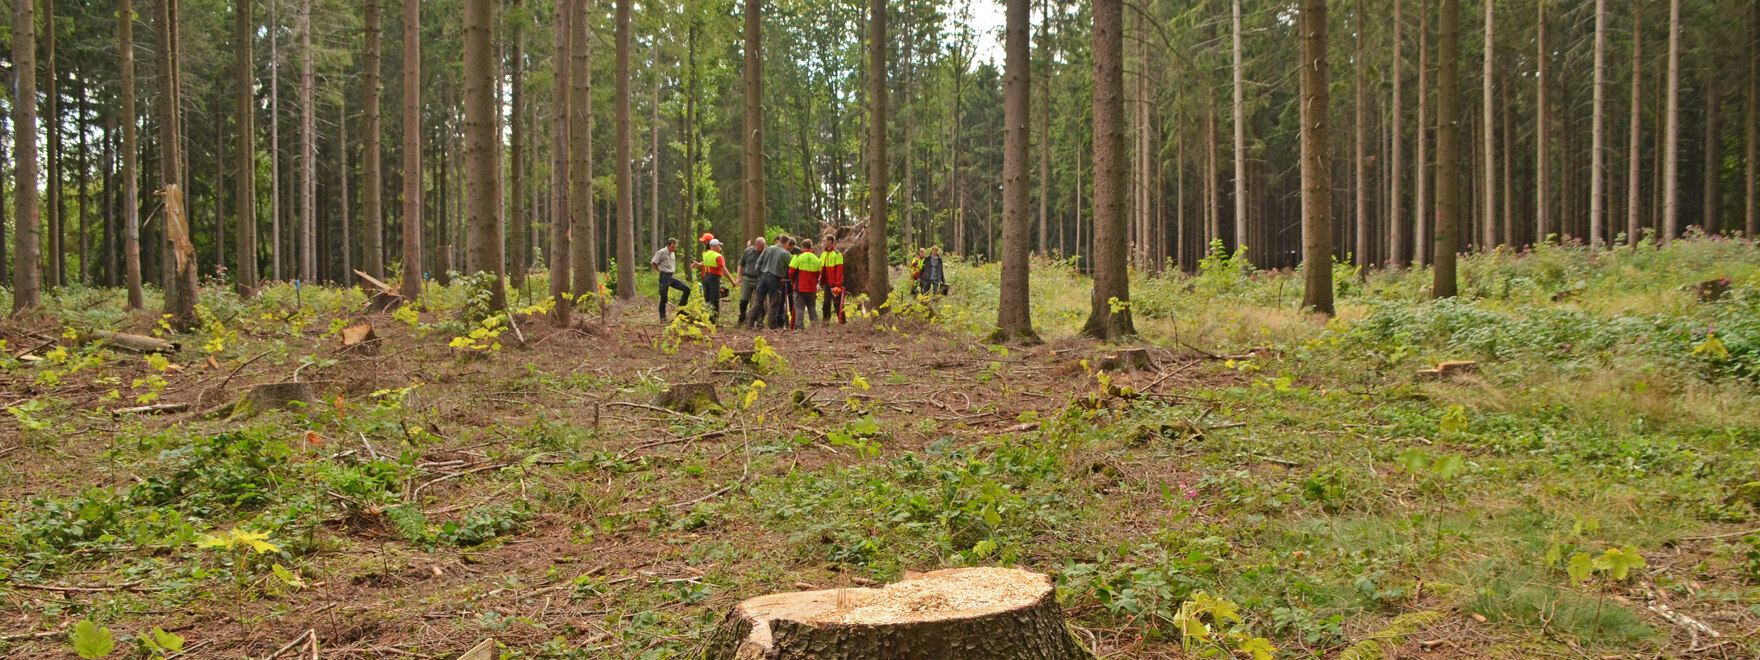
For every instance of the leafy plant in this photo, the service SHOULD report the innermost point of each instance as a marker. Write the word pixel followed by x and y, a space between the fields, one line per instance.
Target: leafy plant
pixel 91 641
pixel 1212 626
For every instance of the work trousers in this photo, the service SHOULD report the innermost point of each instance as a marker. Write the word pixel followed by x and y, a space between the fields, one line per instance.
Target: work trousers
pixel 668 282
pixel 803 309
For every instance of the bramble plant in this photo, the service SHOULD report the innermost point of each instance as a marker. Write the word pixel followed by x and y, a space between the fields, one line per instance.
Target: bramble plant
pixel 1212 627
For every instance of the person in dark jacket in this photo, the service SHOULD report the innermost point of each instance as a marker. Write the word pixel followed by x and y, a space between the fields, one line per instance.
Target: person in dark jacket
pixel 934 277
pixel 773 271
pixel 748 276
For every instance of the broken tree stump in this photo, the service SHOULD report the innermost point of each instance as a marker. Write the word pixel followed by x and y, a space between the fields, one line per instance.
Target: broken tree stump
pixel 954 614
pixel 128 342
pixel 689 398
pixel 1447 371
pixel 1128 359
pixel 266 397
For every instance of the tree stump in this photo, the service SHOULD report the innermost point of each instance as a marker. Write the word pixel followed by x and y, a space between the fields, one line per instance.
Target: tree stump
pixel 955 614
pixel 1128 359
pixel 689 398
pixel 263 398
pixel 1713 290
pixel 360 338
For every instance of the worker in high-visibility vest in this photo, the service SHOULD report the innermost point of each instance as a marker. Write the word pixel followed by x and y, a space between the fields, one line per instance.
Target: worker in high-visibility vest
pixel 803 272
pixel 713 267
pixel 831 275
pixel 917 272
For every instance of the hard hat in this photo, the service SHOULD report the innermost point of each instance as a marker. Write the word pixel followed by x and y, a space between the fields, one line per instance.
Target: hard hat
pixel 713 241
pixel 706 237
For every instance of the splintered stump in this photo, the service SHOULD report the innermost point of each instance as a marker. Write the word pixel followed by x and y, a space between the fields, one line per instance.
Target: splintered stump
pixel 689 398
pixel 1128 359
pixel 955 614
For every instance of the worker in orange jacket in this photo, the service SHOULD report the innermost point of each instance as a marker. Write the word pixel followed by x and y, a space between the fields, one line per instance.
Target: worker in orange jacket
pixel 831 276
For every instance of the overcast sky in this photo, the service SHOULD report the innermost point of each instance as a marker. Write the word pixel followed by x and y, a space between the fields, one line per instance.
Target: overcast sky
pixel 987 20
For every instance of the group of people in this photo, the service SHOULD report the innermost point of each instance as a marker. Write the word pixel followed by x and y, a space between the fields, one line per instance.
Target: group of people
pixel 779 281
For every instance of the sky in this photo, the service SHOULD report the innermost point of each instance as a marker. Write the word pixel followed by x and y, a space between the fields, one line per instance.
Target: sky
pixel 987 17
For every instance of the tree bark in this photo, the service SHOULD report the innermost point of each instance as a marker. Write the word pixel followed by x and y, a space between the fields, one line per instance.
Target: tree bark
pixel 1448 208
pixel 1634 141
pixel 583 242
pixel 482 151
pixel 131 207
pixel 1044 139
pixel 275 201
pixel 55 271
pixel 559 257
pixel 180 297
pixel 372 171
pixel 1488 225
pixel 1671 121
pixel 1543 229
pixel 1360 128
pixel 1240 128
pixel 1316 161
pixel 1712 203
pixel 1396 223
pixel 27 239
pixel 308 148
pixel 1598 135
pixel 879 165
pixel 1109 317
pixel 411 285
pixel 1421 215
pixel 1751 159
pixel 754 122
pixel 245 121
pixel 1013 312
pixel 626 211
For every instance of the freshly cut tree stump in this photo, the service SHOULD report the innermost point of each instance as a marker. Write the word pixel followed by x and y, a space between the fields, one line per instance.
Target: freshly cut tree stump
pixel 1447 371
pixel 955 614
pixel 268 396
pixel 135 343
pixel 689 398
pixel 359 338
pixel 1128 359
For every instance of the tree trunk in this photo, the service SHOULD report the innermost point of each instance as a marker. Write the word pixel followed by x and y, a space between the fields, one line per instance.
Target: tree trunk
pixel 411 285
pixel 55 271
pixel 1598 148
pixel 583 243
pixel 879 165
pixel 1044 140
pixel 1110 315
pixel 347 274
pixel 1013 313
pixel 1543 229
pixel 1488 224
pixel 26 264
pixel 1671 121
pixel 1634 141
pixel 131 219
pixel 1751 158
pixel 1448 207
pixel 482 150
pixel 1240 129
pixel 1396 224
pixel 1361 139
pixel 275 200
pixel 245 120
pixel 1025 623
pixel 372 173
pixel 180 298
pixel 1712 203
pixel 559 257
pixel 1421 215
pixel 308 148
pixel 754 122
pixel 1316 161
pixel 626 211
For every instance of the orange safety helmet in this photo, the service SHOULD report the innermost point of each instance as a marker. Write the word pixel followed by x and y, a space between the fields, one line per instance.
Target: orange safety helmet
pixel 706 238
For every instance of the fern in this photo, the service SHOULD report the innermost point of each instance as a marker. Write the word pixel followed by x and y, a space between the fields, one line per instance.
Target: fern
pixel 410 523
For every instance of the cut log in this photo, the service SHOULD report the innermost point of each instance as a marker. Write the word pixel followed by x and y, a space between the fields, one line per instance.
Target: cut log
pixel 373 281
pixel 1128 359
pixel 266 397
pixel 484 650
pixel 1447 371
pixel 152 409
pixel 128 342
pixel 359 338
pixel 689 398
pixel 955 614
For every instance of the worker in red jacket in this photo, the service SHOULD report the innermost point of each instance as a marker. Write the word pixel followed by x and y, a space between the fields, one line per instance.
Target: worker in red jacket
pixel 803 272
pixel 831 276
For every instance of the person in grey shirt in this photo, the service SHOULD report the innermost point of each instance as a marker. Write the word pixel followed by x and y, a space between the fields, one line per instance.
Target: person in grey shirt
pixel 772 272
pixel 666 263
pixel 748 276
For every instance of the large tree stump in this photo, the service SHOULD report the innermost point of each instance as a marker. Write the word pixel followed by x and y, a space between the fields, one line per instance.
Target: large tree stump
pixel 268 396
pixel 1128 359
pixel 955 614
pixel 689 398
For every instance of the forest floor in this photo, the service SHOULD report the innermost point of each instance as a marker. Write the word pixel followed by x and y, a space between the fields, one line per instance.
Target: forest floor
pixel 531 492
